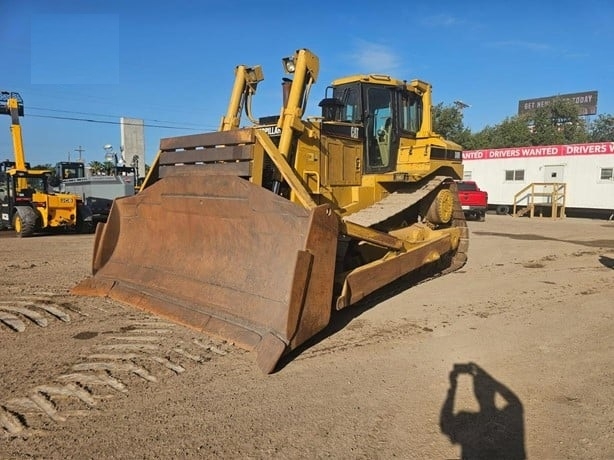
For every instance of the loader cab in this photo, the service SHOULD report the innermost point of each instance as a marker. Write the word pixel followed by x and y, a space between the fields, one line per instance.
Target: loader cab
pixel 6 214
pixel 26 183
pixel 7 165
pixel 17 189
pixel 5 186
pixel 381 110
pixel 6 194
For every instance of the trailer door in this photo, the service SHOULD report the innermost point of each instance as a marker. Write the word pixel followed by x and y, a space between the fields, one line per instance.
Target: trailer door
pixel 554 173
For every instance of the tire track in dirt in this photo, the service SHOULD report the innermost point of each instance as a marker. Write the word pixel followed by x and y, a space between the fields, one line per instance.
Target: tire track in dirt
pixel 142 351
pixel 16 314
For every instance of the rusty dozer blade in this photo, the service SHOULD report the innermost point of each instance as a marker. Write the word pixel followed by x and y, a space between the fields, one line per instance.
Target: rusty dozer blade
pixel 223 256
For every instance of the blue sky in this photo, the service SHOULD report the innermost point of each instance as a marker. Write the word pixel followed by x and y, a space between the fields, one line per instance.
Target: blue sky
pixel 173 64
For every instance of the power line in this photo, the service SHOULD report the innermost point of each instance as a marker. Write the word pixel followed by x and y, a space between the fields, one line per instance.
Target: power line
pixel 105 115
pixel 90 120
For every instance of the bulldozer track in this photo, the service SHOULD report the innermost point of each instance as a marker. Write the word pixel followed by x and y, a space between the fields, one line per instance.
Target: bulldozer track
pixel 393 204
pixel 146 353
pixel 16 314
pixel 459 258
pixel 400 200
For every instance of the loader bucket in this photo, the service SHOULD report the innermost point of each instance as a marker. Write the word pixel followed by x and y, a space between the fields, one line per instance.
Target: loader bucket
pixel 223 256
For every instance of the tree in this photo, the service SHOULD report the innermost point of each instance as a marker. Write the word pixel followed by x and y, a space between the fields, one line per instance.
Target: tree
pixel 96 168
pixel 557 123
pixel 108 167
pixel 482 139
pixel 44 166
pixel 602 129
pixel 448 121
pixel 511 132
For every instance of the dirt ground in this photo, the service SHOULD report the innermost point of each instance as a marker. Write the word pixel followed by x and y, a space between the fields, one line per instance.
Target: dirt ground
pixel 527 326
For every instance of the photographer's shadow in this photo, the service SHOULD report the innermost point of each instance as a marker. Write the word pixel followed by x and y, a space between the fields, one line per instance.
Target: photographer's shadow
pixel 492 432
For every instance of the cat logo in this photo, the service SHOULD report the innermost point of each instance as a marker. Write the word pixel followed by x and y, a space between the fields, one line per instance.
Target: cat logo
pixel 272 131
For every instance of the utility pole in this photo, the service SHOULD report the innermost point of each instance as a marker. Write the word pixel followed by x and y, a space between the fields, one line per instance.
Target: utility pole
pixel 80 150
pixel 460 105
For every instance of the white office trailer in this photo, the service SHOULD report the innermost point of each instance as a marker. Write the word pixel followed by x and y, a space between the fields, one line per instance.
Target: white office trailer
pixel 586 170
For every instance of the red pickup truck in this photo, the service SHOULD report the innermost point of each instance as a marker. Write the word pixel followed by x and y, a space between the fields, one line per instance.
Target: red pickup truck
pixel 473 200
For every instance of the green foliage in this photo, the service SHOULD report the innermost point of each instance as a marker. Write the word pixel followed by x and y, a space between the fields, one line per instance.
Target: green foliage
pixel 511 132
pixel 557 123
pixel 44 166
pixel 448 121
pixel 96 168
pixel 602 129
pixel 108 166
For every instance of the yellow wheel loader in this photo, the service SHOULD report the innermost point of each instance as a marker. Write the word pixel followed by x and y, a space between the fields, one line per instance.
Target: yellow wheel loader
pixel 256 234
pixel 27 203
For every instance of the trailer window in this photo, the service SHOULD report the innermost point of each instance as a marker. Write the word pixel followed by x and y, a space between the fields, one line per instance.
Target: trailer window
pixel 607 173
pixel 514 174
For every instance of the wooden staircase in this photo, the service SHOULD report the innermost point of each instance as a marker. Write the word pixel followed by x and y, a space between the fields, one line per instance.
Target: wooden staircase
pixel 542 198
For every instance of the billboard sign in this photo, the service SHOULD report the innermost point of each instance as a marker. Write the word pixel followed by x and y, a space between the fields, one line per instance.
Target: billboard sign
pixel 596 148
pixel 586 102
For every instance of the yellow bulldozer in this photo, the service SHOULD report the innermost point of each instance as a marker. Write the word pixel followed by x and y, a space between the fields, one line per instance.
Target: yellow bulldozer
pixel 256 234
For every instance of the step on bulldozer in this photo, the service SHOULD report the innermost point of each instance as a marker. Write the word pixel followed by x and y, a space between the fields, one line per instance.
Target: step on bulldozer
pixel 256 234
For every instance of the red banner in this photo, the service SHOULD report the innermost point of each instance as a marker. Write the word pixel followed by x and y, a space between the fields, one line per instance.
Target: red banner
pixel 596 148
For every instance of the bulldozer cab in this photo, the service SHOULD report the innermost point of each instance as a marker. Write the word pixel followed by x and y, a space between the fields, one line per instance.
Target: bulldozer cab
pixel 382 112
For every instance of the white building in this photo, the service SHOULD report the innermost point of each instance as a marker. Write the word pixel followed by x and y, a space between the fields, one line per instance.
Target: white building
pixel 586 169
pixel 133 143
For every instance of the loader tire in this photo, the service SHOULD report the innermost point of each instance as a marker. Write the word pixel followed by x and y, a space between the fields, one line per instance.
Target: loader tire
pixel 85 224
pixel 85 227
pixel 24 222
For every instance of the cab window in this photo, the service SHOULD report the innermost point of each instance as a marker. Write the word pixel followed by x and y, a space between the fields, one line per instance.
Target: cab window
pixel 410 113
pixel 350 98
pixel 379 127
